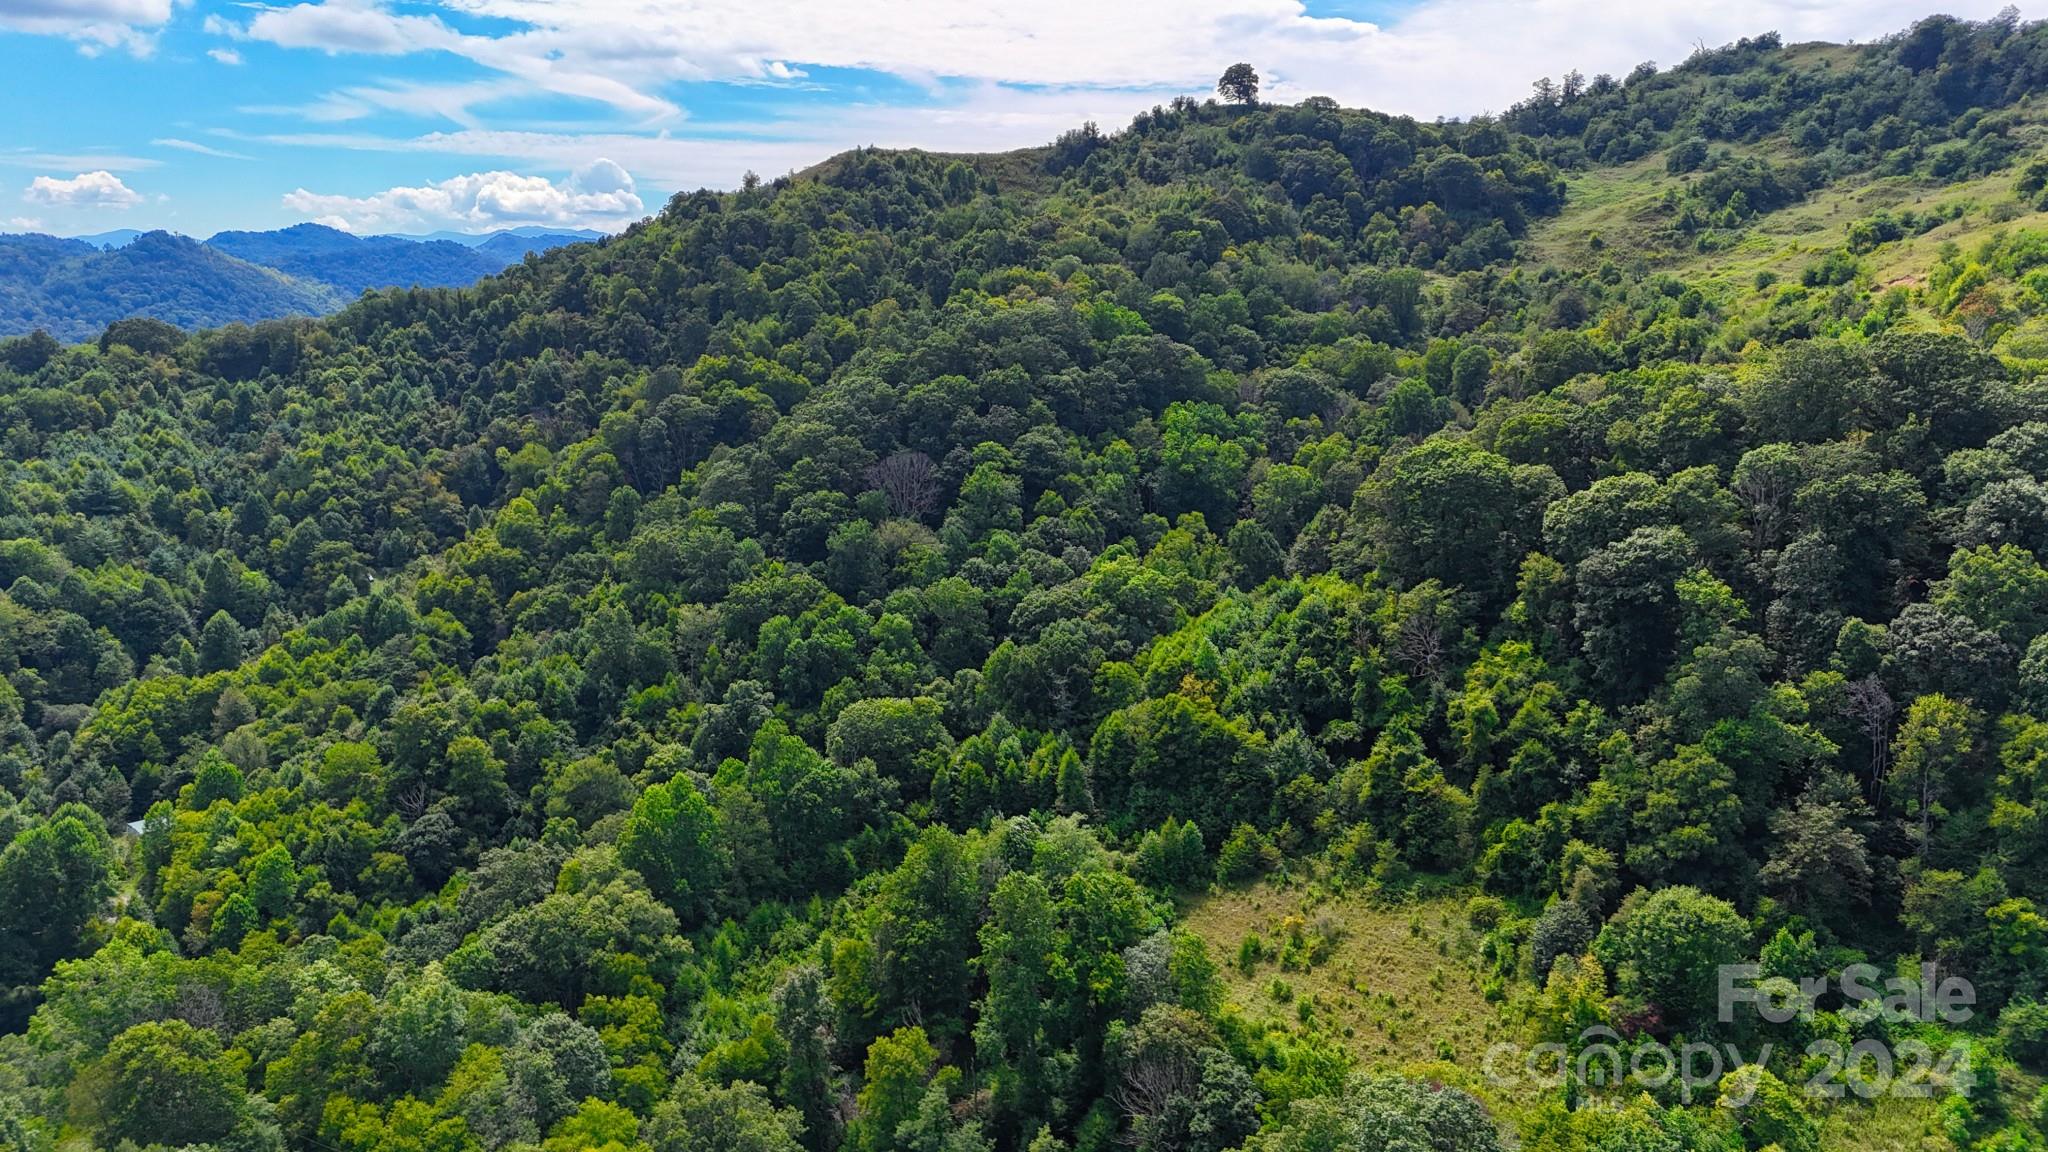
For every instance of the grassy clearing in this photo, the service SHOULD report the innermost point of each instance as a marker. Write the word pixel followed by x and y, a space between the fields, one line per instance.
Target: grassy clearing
pixel 1398 985
pixel 1400 989
pixel 1607 212
pixel 1615 214
pixel 1886 1125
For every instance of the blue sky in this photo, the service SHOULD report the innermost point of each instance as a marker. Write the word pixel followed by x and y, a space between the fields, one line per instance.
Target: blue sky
pixel 416 115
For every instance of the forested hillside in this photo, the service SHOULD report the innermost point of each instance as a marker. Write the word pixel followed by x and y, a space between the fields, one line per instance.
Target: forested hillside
pixel 73 290
pixel 1185 638
pixel 353 265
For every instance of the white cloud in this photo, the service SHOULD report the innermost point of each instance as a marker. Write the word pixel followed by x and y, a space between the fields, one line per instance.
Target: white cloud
pixel 975 118
pixel 449 101
pixel 100 189
pixel 96 25
pixel 24 224
pixel 600 192
pixel 112 162
pixel 1130 43
pixel 200 149
pixel 1442 57
pixel 120 11
pixel 1464 57
pixel 368 27
pixel 226 56
pixel 337 26
pixel 1083 62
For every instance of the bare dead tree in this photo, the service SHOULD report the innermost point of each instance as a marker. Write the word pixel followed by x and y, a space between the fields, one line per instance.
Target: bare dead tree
pixel 1978 312
pixel 1765 496
pixel 1872 707
pixel 1341 405
pixel 411 803
pixel 1150 1084
pixel 1419 646
pixel 909 481
pixel 200 1006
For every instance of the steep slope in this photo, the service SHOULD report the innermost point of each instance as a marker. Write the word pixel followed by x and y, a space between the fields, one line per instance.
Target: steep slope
pixel 1814 189
pixel 1181 639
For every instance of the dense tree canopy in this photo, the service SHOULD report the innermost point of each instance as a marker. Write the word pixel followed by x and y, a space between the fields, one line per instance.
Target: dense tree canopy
pixel 777 678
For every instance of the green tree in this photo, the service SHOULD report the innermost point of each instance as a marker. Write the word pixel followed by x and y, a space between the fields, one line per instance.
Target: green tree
pixel 1204 457
pixel 596 1126
pixel 273 882
pixel 1176 756
pixel 1393 1112
pixel 1820 862
pixel 1240 84
pixel 1628 608
pixel 1665 949
pixel 220 643
pixel 1562 932
pixel 1450 511
pixel 802 1021
pixel 906 739
pixel 1019 946
pixel 477 776
pixel 165 1083
pixel 924 929
pixel 1771 1113
pixel 1470 375
pixel 672 839
pixel 2002 591
pixel 1689 820
pixel 215 780
pixel 53 880
pixel 1935 748
pixel 419 1034
pixel 899 1066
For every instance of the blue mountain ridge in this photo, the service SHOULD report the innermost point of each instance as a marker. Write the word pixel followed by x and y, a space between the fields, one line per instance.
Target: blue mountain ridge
pixel 74 287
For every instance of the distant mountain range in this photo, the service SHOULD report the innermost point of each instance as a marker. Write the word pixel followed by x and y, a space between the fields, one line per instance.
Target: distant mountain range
pixel 114 239
pixel 74 288
pixel 524 232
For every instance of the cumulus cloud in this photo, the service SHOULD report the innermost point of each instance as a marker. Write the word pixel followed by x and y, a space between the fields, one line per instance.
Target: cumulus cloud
pixel 226 56
pixel 100 189
pixel 24 224
pixel 95 24
pixel 599 193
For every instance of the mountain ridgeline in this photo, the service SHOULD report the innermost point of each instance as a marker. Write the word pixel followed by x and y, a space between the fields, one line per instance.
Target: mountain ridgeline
pixel 1187 638
pixel 75 288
